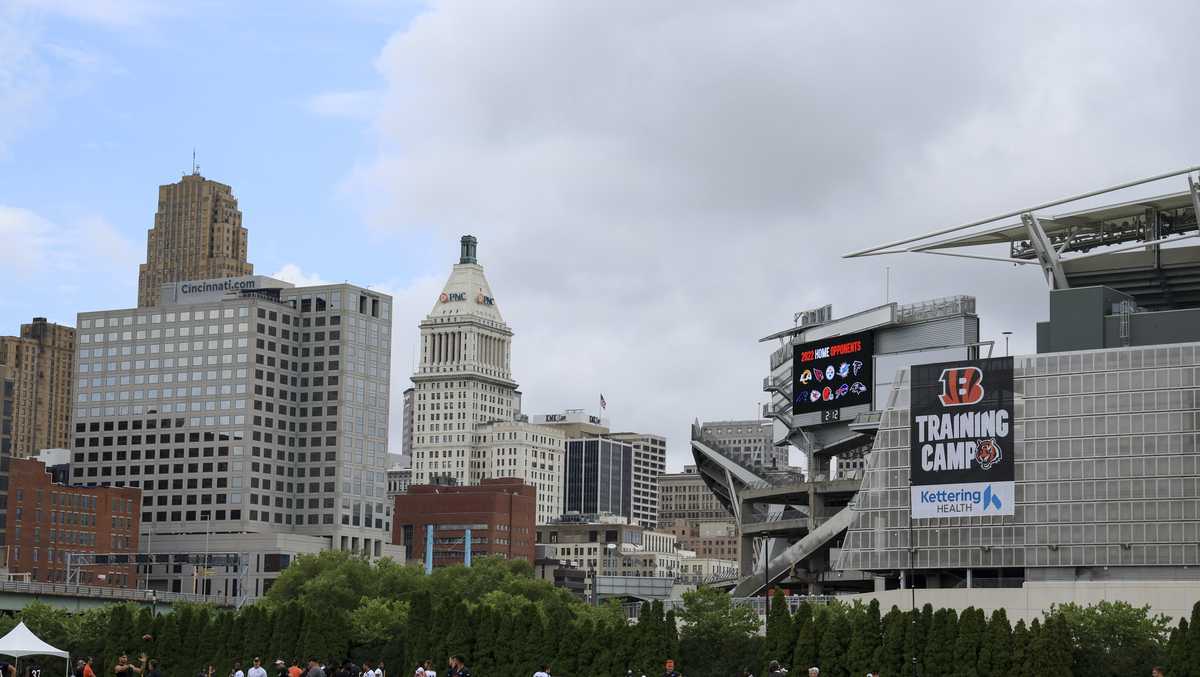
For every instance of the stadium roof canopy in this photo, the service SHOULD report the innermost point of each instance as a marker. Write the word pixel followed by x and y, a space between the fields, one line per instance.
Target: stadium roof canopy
pixel 1135 243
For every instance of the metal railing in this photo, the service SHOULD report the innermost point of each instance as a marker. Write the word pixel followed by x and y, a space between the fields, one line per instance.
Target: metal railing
pixel 757 603
pixel 113 593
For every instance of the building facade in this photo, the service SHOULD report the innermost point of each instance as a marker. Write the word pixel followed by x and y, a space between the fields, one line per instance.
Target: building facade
pixel 706 570
pixel 1107 487
pixel 50 520
pixel 649 462
pixel 41 362
pixel 406 437
pixel 747 442
pixel 689 510
pixel 610 547
pixel 598 478
pixel 465 403
pixel 399 479
pixel 197 235
pixel 243 406
pixel 499 512
pixel 8 391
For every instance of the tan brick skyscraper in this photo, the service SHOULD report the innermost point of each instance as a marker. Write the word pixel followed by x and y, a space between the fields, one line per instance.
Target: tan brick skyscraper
pixel 197 235
pixel 41 362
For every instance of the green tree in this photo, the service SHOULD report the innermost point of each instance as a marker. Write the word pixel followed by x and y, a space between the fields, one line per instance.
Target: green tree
pixel 1050 647
pixel 1110 639
pixel 889 659
pixel 995 656
pixel 971 628
pixel 716 633
pixel 1193 641
pixel 781 635
pixel 939 648
pixel 372 625
pixel 809 623
pixel 835 642
pixel 1177 651
pixel 1022 644
pixel 286 622
pixel 865 640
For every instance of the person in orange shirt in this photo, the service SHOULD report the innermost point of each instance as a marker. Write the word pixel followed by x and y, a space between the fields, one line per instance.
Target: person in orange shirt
pixel 294 670
pixel 87 668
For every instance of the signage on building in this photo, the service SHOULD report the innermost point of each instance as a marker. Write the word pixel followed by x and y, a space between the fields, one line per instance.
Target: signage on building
pixel 447 297
pixel 208 291
pixel 961 439
pixel 832 373
pixel 485 300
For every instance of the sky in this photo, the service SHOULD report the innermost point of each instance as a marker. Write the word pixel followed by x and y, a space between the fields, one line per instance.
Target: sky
pixel 654 186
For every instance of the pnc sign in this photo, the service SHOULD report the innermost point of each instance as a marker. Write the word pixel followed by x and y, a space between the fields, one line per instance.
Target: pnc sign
pixel 447 297
pixel 484 300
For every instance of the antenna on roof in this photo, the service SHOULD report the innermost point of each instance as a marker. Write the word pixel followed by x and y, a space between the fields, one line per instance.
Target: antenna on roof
pixel 195 167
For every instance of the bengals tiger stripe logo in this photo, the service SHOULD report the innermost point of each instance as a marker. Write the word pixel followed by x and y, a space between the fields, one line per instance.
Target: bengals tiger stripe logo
pixel 961 386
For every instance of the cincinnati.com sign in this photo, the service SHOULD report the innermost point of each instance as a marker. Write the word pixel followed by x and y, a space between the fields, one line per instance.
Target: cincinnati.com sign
pixel 961 454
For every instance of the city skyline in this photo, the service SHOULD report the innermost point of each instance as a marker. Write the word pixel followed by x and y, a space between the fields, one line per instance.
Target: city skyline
pixel 593 217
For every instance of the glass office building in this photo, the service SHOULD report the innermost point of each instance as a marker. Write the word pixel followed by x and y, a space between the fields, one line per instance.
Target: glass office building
pixel 599 477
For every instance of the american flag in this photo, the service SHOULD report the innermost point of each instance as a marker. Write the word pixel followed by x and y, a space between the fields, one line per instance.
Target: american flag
pixel 603 404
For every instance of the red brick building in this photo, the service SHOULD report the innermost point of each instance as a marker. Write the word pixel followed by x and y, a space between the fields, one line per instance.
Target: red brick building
pixel 501 514
pixel 47 520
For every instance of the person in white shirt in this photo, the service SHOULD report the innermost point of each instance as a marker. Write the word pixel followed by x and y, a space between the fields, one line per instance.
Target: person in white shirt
pixel 426 670
pixel 257 670
pixel 544 672
pixel 237 670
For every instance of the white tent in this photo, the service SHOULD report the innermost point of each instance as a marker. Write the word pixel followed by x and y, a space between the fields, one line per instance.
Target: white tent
pixel 20 641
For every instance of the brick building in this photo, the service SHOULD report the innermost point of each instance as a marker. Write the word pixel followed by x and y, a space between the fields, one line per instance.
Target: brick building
pixel 501 514
pixel 47 520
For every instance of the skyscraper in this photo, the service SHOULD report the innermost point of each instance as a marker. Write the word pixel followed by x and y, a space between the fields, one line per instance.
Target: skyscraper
pixel 197 235
pixel 254 418
pixel 41 362
pixel 466 405
pixel 649 462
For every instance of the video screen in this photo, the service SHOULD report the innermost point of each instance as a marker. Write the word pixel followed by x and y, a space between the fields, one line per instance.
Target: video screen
pixel 832 373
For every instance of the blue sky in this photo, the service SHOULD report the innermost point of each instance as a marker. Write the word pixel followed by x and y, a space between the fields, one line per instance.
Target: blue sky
pixel 654 186
pixel 123 97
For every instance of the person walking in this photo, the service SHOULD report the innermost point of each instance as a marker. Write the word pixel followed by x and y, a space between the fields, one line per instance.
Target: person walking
pixel 458 667
pixel 776 670
pixel 669 669
pixel 124 668
pixel 1157 672
pixel 257 670
pixel 543 672
pixel 814 672
pixel 237 670
pixel 314 669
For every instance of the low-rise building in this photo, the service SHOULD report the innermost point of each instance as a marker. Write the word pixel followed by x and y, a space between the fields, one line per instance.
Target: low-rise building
pixel 499 513
pixel 706 570
pixel 609 546
pixel 689 510
pixel 46 521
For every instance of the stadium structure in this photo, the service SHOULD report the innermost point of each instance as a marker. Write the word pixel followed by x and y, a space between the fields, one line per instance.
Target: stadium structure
pixel 1103 445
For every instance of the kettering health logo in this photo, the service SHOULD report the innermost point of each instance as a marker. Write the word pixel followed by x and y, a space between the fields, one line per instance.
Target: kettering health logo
pixel 958 501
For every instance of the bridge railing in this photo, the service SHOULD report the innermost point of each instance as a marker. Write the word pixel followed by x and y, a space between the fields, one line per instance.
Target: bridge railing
pixel 757 603
pixel 112 593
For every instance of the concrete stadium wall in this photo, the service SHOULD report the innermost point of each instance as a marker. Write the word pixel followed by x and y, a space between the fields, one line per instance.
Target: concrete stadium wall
pixel 1173 598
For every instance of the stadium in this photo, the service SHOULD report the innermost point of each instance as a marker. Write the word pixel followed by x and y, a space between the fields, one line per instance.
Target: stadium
pixel 1090 488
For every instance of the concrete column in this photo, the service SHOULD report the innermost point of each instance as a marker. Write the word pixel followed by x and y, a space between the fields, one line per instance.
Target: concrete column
pixel 970 579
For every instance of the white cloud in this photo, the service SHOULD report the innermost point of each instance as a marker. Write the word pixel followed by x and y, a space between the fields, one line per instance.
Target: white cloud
pixel 290 272
pixel 117 14
pixel 656 187
pixel 86 253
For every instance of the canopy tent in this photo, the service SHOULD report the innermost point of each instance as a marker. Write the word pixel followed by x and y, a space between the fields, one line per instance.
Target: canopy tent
pixel 20 641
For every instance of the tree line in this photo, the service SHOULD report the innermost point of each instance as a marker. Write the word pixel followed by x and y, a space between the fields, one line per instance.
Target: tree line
pixel 334 606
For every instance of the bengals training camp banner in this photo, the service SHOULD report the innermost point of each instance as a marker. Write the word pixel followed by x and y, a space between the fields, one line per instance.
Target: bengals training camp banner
pixel 961 454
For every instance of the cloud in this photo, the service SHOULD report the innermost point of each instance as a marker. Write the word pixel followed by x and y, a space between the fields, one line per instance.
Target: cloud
pixel 290 272
pixel 362 104
pixel 655 188
pixel 83 258
pixel 115 14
